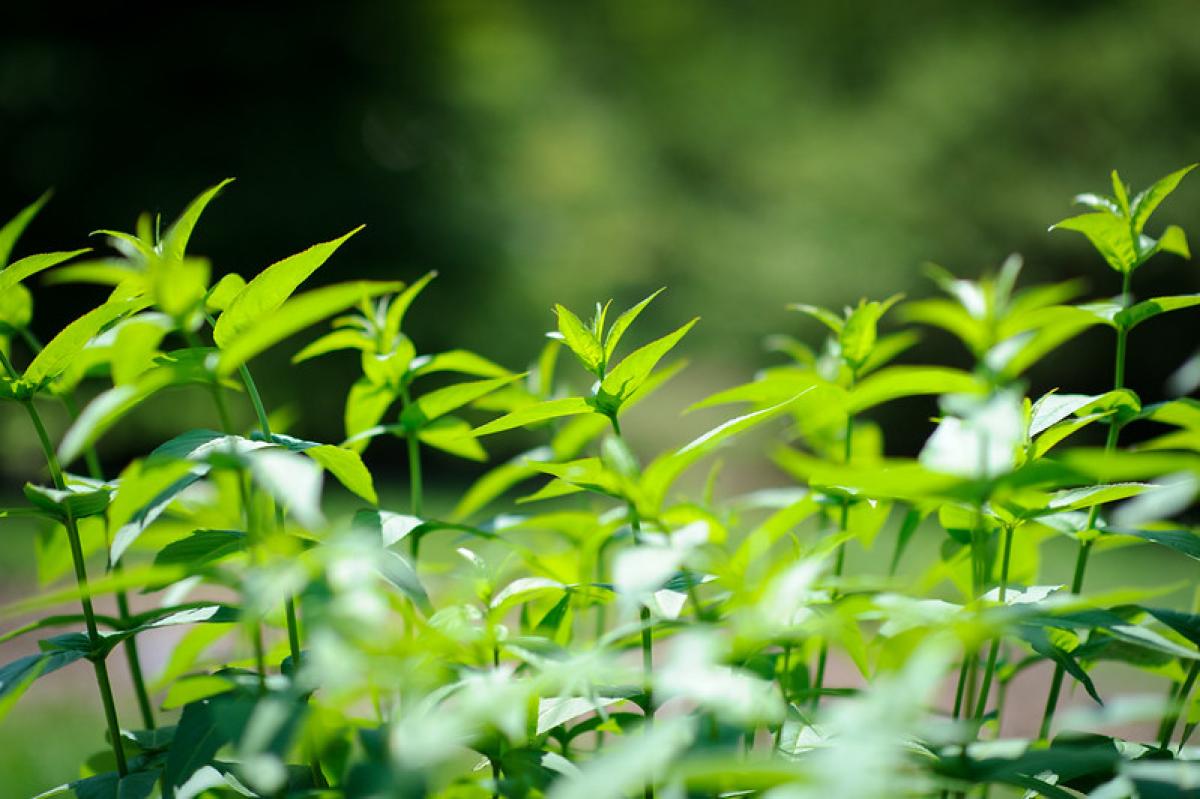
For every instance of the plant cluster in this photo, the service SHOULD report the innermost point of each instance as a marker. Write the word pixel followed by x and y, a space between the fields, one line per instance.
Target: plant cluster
pixel 617 632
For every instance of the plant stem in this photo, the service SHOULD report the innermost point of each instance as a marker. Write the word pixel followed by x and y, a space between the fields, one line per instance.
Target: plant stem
pixel 1085 545
pixel 415 486
pixel 993 654
pixel 839 564
pixel 96 472
pixel 783 687
pixel 635 524
pixel 85 599
pixel 1180 702
pixel 289 604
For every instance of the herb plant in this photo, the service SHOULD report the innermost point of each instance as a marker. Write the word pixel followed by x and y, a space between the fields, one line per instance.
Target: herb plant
pixel 616 629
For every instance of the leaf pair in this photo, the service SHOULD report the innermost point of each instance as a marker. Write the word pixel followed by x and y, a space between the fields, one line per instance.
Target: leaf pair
pixel 1115 226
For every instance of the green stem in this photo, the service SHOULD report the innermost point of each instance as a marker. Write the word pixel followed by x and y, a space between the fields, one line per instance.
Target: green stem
pixel 648 709
pixel 416 490
pixel 1085 545
pixel 840 563
pixel 994 653
pixel 289 604
pixel 85 599
pixel 92 459
pixel 1180 702
pixel 784 679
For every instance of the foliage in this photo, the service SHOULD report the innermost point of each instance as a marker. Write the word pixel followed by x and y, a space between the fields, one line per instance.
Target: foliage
pixel 621 632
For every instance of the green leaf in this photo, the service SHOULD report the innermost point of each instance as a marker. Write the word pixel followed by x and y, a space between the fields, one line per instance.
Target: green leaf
pixel 825 317
pixel 1133 316
pixel 399 306
pixel 144 491
pixel 1184 542
pixel 271 287
pixel 396 569
pixel 499 480
pixel 57 355
pixel 1174 241
pixel 1038 639
pixel 110 406
pixel 31 265
pixel 268 327
pixel 12 230
pixel 204 727
pixel 1149 199
pixel 1109 234
pixel 896 382
pixel 461 361
pixel 347 466
pixel 293 480
pixel 175 240
pixel 622 323
pixel 580 339
pixel 17 676
pixel 533 414
pixel 77 501
pixel 453 435
pixel 223 293
pixel 201 548
pixel 665 470
pixel 858 335
pixel 442 401
pixel 365 406
pixel 345 339
pixel 628 376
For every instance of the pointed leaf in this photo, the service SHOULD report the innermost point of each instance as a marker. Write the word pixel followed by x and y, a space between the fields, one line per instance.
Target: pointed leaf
pixel 270 288
pixel 12 230
pixel 533 414
pixel 624 379
pixel 1149 199
pixel 56 356
pixel 270 326
pixel 175 240
pixel 622 323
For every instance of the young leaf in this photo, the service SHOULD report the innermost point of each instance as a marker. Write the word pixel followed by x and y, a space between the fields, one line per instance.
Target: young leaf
pixel 268 327
pixel 56 356
pixel 579 339
pixel 1109 234
pixel 31 265
pixel 271 287
pixel 444 400
pixel 1149 199
pixel 13 229
pixel 533 414
pixel 627 376
pixel 399 306
pixel 175 240
pixel 1134 315
pixel 622 323
pixel 347 466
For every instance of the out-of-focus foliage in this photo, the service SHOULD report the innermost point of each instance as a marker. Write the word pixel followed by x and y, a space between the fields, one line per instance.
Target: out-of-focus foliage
pixel 584 623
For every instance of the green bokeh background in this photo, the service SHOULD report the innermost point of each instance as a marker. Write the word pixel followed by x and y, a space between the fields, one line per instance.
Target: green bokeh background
pixel 744 154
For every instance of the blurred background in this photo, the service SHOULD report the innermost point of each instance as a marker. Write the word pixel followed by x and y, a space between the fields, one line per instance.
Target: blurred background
pixel 744 154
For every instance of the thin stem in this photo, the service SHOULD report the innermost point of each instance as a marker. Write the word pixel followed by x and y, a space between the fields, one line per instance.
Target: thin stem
pixel 85 599
pixel 289 604
pixel 416 492
pixel 1180 702
pixel 840 563
pixel 129 645
pixel 993 654
pixel 783 686
pixel 1085 545
pixel 648 708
